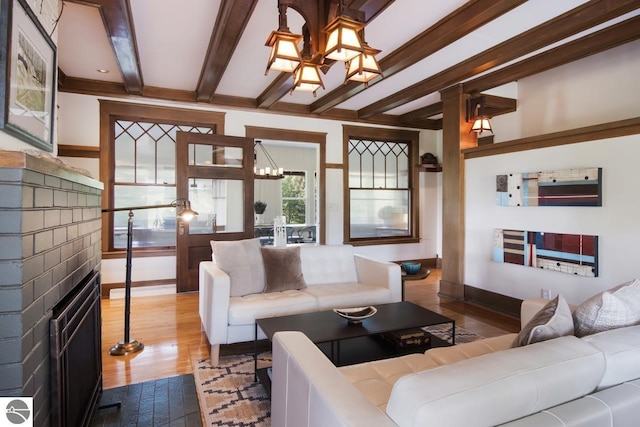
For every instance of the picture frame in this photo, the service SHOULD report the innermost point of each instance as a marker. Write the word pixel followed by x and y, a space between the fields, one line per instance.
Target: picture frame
pixel 27 75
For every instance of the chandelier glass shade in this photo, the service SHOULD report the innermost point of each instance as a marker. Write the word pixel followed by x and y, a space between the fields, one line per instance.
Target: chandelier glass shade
pixel 307 78
pixel 284 54
pixel 364 67
pixel 343 42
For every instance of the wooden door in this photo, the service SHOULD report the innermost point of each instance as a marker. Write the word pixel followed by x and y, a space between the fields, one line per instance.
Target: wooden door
pixel 215 173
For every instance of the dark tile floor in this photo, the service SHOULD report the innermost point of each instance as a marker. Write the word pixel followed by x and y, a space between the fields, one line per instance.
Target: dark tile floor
pixel 166 402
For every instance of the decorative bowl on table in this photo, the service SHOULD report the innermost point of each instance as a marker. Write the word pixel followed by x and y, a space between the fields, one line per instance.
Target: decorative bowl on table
pixel 411 268
pixel 356 314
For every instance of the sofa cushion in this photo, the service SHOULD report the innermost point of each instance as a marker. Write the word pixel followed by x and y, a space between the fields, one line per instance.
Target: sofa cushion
pixel 612 309
pixel 376 379
pixel 328 264
pixel 553 321
pixel 529 379
pixel 282 270
pixel 242 261
pixel 343 295
pixel 458 352
pixel 621 348
pixel 245 310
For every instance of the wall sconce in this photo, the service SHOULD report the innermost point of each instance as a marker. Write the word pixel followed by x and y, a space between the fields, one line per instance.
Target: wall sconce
pixel 476 113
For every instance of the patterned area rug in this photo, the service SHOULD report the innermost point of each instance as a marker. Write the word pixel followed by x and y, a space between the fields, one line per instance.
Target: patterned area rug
pixel 229 396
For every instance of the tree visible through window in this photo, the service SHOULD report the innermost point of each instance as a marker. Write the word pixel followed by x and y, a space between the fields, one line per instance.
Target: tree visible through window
pixel 294 197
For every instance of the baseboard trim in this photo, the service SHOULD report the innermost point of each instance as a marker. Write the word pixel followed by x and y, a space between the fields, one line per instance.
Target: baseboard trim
pixel 493 301
pixel 106 287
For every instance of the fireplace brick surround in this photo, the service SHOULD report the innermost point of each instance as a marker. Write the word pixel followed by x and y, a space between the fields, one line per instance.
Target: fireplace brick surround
pixel 50 239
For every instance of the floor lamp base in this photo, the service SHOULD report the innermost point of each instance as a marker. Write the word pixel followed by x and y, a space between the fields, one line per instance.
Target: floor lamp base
pixel 123 348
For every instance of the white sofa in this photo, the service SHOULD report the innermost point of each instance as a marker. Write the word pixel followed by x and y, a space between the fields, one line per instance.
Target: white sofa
pixel 335 278
pixel 567 381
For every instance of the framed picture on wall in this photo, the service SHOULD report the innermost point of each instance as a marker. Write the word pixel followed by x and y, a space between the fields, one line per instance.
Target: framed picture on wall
pixel 27 75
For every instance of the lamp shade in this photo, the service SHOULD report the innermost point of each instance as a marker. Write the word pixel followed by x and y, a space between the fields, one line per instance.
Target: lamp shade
pixel 284 55
pixel 307 78
pixel 364 67
pixel 481 124
pixel 343 41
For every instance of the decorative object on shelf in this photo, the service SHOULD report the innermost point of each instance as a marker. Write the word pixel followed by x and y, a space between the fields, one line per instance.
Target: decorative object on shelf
pixel 411 268
pixel 332 32
pixel 476 113
pixel 127 345
pixel 429 159
pixel 567 187
pixel 259 207
pixel 567 253
pixel 280 231
pixel 356 314
pixel 268 172
pixel 27 76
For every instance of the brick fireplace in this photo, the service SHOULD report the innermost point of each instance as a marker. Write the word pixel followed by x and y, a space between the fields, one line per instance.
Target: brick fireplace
pixel 50 240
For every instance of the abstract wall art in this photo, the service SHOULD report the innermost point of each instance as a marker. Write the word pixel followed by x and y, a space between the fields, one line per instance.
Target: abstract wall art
pixel 567 253
pixel 568 187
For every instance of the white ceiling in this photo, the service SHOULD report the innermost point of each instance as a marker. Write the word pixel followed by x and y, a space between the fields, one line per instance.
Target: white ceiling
pixel 172 39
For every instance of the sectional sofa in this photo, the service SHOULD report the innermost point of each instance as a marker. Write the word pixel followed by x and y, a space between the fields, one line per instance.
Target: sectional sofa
pixel 593 381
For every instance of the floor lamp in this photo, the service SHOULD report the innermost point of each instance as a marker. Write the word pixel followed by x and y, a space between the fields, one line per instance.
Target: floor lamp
pixel 127 345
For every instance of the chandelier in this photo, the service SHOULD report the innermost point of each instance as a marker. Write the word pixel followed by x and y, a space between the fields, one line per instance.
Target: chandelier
pixel 268 172
pixel 331 33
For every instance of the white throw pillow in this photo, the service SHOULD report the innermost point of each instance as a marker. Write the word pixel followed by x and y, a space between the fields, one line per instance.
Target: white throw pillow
pixel 242 261
pixel 552 321
pixel 615 308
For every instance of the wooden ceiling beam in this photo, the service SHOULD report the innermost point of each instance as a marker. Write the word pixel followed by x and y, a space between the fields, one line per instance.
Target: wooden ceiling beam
pixel 422 113
pixel 370 8
pixel 232 19
pixel 457 24
pixel 570 23
pixel 116 17
pixel 602 40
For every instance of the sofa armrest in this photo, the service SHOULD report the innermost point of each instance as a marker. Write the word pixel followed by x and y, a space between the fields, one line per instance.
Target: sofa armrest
pixel 214 293
pixel 307 390
pixel 380 273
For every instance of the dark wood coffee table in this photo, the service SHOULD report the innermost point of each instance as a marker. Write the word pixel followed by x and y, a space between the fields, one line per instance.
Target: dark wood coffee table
pixel 346 343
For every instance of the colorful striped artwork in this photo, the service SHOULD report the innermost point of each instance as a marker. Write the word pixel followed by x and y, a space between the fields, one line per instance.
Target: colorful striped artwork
pixel 567 253
pixel 568 187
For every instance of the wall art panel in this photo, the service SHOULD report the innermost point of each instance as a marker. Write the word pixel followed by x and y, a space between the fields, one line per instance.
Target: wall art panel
pixel 567 253
pixel 568 187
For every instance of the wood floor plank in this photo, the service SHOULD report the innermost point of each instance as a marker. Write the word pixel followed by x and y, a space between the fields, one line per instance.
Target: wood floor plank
pixel 169 326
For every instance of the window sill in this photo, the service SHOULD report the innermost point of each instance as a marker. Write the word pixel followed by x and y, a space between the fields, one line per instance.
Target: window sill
pixel 382 241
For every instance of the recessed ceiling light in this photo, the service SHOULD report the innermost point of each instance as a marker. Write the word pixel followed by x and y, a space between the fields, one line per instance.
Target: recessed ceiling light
pixel 102 70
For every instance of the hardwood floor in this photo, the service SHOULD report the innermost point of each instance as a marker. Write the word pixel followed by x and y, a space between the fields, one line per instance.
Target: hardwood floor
pixel 169 327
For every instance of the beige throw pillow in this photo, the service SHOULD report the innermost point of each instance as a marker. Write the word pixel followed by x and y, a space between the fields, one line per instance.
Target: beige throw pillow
pixel 242 261
pixel 282 269
pixel 615 308
pixel 553 321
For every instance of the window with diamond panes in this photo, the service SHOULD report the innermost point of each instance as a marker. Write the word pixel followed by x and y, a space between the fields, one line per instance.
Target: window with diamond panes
pixel 380 189
pixel 145 174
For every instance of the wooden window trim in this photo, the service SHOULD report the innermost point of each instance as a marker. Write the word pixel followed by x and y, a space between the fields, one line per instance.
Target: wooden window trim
pixel 378 134
pixel 112 110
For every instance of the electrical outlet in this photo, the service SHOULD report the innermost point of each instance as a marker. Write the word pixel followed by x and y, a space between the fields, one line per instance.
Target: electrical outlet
pixel 545 293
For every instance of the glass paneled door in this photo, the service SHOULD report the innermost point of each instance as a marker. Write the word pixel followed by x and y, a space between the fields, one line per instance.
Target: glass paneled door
pixel 215 173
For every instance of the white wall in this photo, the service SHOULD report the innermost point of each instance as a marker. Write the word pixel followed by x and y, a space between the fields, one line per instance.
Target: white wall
pixel 79 125
pixel 601 88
